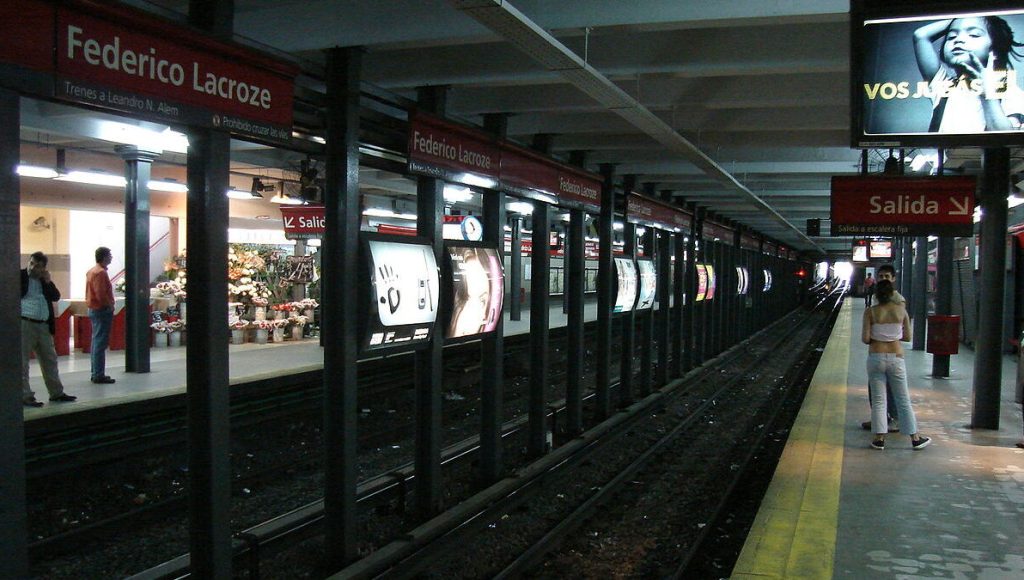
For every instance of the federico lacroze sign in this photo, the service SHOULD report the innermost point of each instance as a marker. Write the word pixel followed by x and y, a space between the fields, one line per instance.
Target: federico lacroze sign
pixel 902 206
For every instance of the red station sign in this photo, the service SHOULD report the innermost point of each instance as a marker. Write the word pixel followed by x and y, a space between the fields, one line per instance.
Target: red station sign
pixel 303 221
pixel 119 58
pixel 651 212
pixel 902 206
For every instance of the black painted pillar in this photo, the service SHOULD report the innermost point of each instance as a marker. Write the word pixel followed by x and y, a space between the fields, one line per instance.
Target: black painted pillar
pixel 907 273
pixel 340 304
pixel 627 320
pixel 575 275
pixel 988 361
pixel 943 296
pixel 678 293
pixel 605 294
pixel 492 348
pixel 919 292
pixel 664 294
pixel 691 324
pixel 647 320
pixel 13 513
pixel 429 361
pixel 137 169
pixel 207 351
pixel 540 262
pixel 515 269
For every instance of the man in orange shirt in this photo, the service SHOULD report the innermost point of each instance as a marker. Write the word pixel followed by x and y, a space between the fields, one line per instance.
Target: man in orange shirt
pixel 99 297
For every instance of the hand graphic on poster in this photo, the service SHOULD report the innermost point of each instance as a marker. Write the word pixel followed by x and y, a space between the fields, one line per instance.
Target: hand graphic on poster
pixel 388 282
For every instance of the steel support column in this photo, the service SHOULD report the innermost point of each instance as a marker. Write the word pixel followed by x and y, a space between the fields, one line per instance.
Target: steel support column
pixel 492 349
pixel 340 303
pixel 627 324
pixel 663 295
pixel 919 291
pixel 943 296
pixel 907 263
pixel 605 300
pixel 515 270
pixel 13 513
pixel 646 324
pixel 540 264
pixel 137 169
pixel 696 327
pixel 575 270
pixel 988 361
pixel 678 294
pixel 209 431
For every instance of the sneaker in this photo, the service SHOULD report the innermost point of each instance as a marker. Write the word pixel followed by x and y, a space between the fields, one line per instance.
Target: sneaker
pixel 104 380
pixel 32 403
pixel 63 398
pixel 922 442
pixel 866 425
pixel 879 445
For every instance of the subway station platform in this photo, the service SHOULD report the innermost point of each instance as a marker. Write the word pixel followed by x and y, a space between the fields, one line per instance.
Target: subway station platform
pixel 246 363
pixel 838 509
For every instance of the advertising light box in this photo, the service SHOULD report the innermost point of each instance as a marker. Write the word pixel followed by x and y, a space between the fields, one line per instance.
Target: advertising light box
pixel 402 293
pixel 767 280
pixel 711 282
pixel 742 280
pixel 478 290
pixel 860 251
pixel 936 74
pixel 648 284
pixel 625 296
pixel 702 283
pixel 880 249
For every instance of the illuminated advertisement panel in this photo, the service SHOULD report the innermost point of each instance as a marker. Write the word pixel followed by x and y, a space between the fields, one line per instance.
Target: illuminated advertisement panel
pixel 478 289
pixel 625 296
pixel 711 282
pixel 742 280
pixel 936 74
pixel 702 283
pixel 648 284
pixel 767 280
pixel 403 293
pixel 860 252
pixel 880 249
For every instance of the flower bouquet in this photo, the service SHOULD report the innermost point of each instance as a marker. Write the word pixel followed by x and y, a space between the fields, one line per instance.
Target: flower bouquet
pixel 160 331
pixel 263 328
pixel 297 323
pixel 279 326
pixel 238 328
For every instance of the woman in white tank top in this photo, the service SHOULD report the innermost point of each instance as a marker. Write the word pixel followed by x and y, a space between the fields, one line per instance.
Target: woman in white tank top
pixel 885 327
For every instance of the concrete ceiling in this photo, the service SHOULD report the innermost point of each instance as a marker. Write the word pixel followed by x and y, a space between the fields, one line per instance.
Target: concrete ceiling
pixel 758 90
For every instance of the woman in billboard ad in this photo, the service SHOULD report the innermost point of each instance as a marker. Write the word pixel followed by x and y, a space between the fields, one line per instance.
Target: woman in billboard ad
pixel 478 287
pixel 951 75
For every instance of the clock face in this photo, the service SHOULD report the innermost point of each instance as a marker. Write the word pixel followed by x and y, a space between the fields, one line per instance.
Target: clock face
pixel 472 229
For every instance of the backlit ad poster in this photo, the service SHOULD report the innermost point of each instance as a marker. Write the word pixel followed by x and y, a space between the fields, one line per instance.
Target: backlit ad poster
pixel 702 283
pixel 949 77
pixel 648 284
pixel 767 280
pixel 478 289
pixel 625 296
pixel 712 282
pixel 404 283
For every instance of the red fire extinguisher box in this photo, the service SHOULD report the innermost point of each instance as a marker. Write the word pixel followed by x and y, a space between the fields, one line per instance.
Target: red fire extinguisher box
pixel 943 334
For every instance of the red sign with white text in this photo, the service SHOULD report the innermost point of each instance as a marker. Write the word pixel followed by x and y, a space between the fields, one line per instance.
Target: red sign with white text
pixel 901 206
pixel 303 222
pixel 26 34
pixel 441 149
pixel 651 212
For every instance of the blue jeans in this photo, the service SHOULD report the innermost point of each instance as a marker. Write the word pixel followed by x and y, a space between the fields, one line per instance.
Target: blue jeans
pixel 884 367
pixel 101 320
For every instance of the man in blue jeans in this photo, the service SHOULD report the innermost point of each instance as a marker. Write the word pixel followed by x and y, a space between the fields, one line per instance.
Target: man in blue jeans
pixel 99 297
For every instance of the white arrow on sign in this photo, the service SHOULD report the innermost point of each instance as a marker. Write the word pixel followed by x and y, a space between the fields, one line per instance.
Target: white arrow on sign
pixel 961 208
pixel 288 221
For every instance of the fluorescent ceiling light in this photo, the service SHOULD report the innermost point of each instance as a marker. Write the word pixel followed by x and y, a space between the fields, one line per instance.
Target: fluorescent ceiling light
pixel 166 185
pixel 93 178
pixel 238 194
pixel 157 141
pixel 455 194
pixel 520 207
pixel 473 179
pixel 387 213
pixel 35 171
pixel 279 198
pixel 617 226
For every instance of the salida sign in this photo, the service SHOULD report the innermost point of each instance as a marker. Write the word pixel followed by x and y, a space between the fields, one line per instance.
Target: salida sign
pixel 902 206
pixel 303 222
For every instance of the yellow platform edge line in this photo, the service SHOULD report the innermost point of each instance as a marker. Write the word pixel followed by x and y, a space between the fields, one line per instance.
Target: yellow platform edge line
pixel 794 533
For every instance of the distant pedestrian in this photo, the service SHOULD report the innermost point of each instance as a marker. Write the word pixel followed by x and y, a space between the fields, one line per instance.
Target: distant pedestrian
pixel 885 327
pixel 99 297
pixel 38 293
pixel 869 290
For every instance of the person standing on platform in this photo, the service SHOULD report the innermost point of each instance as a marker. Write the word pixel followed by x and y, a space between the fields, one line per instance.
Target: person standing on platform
pixel 885 326
pixel 869 290
pixel 99 297
pixel 38 293
pixel 888 272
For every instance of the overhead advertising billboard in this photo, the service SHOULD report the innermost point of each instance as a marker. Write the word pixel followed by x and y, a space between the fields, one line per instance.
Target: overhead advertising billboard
pixel 626 292
pixel 880 249
pixel 860 251
pixel 936 74
pixel 711 282
pixel 742 280
pixel 478 290
pixel 402 293
pixel 702 282
pixel 767 280
pixel 648 284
